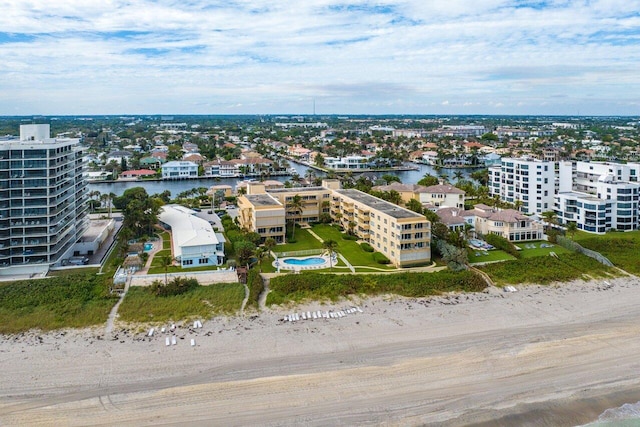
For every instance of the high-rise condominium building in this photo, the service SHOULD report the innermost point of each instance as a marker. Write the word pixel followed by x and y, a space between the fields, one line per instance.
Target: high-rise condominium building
pixel 529 181
pixel 43 200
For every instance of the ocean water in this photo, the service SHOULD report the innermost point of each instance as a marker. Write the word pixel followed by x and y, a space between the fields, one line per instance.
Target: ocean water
pixel 627 415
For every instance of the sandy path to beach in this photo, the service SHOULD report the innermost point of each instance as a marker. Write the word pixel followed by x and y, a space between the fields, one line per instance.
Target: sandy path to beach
pixel 452 360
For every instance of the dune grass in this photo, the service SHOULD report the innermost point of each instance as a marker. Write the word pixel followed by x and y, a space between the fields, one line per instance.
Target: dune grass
pixel 141 305
pixel 547 269
pixel 621 249
pixel 65 301
pixel 316 286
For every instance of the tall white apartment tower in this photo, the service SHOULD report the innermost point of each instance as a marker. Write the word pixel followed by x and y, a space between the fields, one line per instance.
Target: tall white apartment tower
pixel 599 196
pixel 531 181
pixel 43 200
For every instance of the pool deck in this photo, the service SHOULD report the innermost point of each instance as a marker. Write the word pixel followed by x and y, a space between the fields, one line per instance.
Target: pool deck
pixel 279 264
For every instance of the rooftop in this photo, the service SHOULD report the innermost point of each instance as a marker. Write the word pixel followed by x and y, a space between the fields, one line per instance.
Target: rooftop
pixel 296 189
pixel 262 200
pixel 187 229
pixel 383 206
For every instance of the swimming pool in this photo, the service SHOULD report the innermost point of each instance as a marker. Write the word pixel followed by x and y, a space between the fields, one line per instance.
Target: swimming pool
pixel 147 247
pixel 305 261
pixel 302 263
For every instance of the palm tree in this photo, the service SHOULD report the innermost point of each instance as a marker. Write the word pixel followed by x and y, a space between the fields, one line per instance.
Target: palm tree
pixel 260 253
pixel 330 246
pixel 550 218
pixel 166 261
pixel 351 226
pixel 572 227
pixel 294 207
pixel 518 204
pixel 458 176
pixel 270 243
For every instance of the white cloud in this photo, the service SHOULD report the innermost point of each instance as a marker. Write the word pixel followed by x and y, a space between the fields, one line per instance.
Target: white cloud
pixel 263 56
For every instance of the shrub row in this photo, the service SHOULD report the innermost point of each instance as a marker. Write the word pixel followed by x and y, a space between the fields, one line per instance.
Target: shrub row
pixel 501 243
pixel 256 286
pixel 380 258
pixel 325 286
pixel 177 286
pixel 366 247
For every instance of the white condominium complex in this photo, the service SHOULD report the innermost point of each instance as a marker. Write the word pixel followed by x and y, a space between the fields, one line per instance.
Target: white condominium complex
pixel 530 181
pixel 43 209
pixel 598 196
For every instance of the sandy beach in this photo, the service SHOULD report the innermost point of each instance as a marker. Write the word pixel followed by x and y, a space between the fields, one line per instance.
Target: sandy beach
pixel 545 355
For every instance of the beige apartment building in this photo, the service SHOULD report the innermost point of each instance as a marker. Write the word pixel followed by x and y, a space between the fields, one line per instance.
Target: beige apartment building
pixel 403 236
pixel 263 214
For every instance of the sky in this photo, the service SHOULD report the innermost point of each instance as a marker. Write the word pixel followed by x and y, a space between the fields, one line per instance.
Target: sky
pixel 93 57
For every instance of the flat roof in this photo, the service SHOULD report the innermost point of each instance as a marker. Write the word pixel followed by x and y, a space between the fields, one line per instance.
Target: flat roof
pixel 96 227
pixel 297 189
pixel 262 200
pixel 585 196
pixel 383 206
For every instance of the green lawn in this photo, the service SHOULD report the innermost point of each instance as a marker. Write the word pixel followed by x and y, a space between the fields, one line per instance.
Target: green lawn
pixel 140 305
pixel 166 240
pixel 304 241
pixel 157 257
pixel 350 249
pixel 488 256
pixel 622 249
pixel 529 252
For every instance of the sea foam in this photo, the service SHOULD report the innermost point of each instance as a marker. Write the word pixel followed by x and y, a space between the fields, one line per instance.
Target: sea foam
pixel 627 415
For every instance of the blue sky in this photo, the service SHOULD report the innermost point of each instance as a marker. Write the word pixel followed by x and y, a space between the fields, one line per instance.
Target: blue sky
pixel 351 57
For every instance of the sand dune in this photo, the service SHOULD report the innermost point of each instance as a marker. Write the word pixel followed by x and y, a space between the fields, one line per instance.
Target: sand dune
pixel 555 355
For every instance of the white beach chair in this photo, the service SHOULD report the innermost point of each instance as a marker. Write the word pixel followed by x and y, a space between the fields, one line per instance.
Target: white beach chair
pixel 314 315
pixel 150 332
pixel 308 315
pixel 304 317
pixel 193 342
pixel 174 341
pixel 359 309
pixel 167 341
pixel 163 329
pixel 195 324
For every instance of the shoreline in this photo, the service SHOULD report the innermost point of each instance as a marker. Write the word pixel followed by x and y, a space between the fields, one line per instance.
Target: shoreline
pixel 574 411
pixel 539 356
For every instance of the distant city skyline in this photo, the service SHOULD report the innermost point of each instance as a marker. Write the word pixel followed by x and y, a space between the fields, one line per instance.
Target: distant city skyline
pixel 489 57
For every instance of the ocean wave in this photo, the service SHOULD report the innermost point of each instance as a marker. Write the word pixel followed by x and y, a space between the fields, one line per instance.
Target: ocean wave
pixel 627 415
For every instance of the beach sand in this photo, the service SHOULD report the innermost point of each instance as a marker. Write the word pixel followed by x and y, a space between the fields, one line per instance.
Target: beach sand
pixel 545 355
